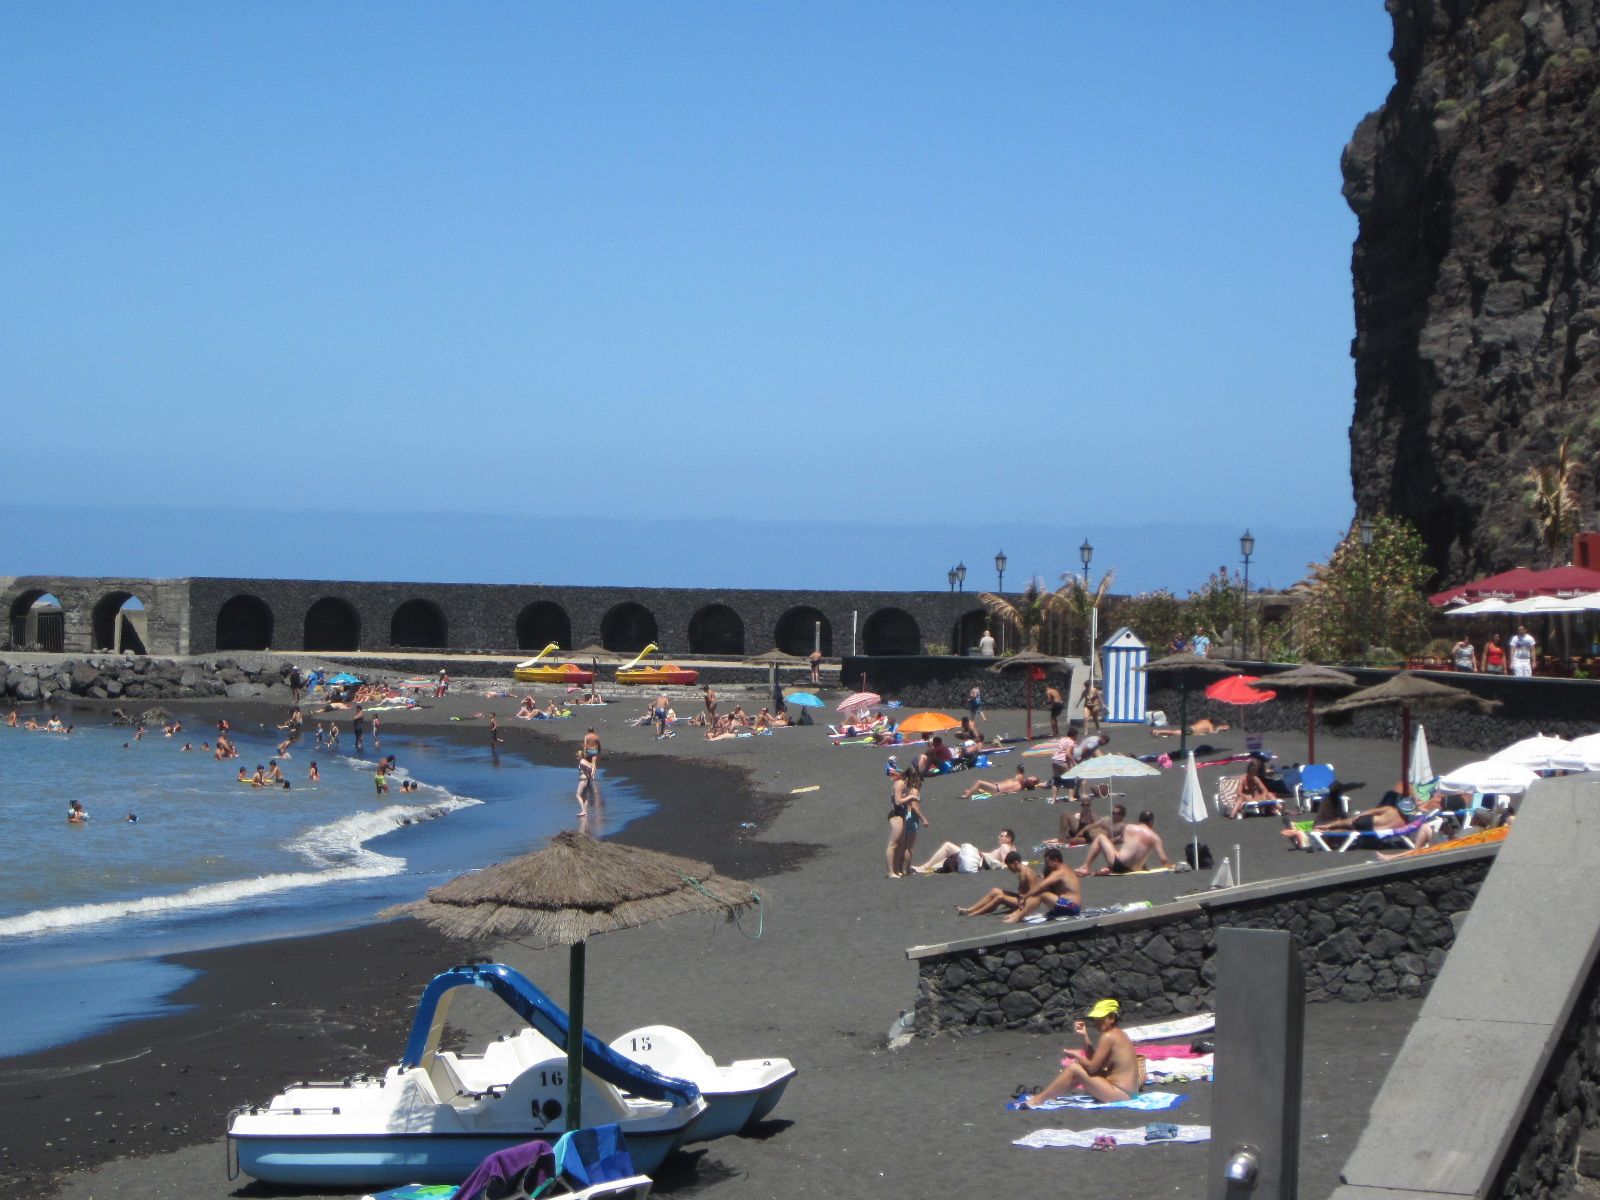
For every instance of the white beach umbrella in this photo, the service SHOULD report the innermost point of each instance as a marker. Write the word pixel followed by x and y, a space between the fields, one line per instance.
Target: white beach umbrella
pixel 1192 804
pixel 1545 604
pixel 1590 601
pixel 1581 754
pixel 1489 776
pixel 1110 766
pixel 1537 753
pixel 1421 771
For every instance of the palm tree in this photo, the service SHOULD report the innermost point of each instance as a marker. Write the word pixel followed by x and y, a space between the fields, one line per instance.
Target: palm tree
pixel 1028 613
pixel 1085 604
pixel 1555 503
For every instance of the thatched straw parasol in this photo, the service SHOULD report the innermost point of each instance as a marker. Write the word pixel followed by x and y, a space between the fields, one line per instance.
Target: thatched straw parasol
pixel 1185 663
pixel 566 893
pixel 773 659
pixel 1027 659
pixel 1408 691
pixel 1311 678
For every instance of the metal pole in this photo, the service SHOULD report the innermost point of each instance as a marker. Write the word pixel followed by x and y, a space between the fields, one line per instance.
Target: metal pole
pixel 1255 1102
pixel 575 955
pixel 1246 616
pixel 1183 714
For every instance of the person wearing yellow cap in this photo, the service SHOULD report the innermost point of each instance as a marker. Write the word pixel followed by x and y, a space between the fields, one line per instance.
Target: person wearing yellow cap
pixel 1108 1070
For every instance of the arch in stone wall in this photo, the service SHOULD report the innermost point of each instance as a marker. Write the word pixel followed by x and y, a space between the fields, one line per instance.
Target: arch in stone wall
pixel 969 627
pixel 244 623
pixel 36 620
pixel 114 626
pixel 332 623
pixel 419 622
pixel 891 631
pixel 716 629
pixel 628 627
pixel 796 631
pixel 543 622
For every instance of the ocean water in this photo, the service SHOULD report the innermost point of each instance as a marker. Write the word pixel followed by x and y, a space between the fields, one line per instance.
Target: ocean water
pixel 87 912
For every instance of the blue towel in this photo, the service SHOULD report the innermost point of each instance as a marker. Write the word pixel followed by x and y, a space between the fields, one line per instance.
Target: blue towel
pixel 1145 1101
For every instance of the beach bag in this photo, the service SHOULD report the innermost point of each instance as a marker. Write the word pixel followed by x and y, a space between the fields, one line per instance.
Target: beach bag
pixel 1206 861
pixel 969 859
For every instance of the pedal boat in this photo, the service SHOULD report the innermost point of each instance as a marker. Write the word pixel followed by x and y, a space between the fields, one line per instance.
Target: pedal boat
pixel 436 1114
pixel 738 1096
pixel 538 669
pixel 637 673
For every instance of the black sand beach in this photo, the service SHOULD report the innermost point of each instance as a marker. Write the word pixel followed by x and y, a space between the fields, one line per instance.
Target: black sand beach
pixel 139 1111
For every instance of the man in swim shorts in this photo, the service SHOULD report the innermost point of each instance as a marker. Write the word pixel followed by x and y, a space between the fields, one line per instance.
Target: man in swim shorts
pixel 1108 1071
pixel 1052 697
pixel 1139 842
pixel 1058 894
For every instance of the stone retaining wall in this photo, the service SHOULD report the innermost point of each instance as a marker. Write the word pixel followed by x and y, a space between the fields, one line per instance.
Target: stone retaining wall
pixel 1372 932
pixel 135 677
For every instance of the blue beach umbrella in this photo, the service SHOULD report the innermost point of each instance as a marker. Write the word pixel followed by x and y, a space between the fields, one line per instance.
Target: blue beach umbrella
pixel 804 700
pixel 343 678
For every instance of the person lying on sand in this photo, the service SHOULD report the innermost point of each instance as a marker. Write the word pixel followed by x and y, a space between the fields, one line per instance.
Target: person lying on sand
pixel 1139 842
pixel 1108 1072
pixel 997 898
pixel 1385 817
pixel 1058 894
pixel 1205 725
pixel 948 856
pixel 1020 782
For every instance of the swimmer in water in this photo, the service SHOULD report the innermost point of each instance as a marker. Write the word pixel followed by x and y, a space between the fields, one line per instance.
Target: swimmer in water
pixel 244 776
pixel 186 748
pixel 76 813
pixel 133 818
pixel 314 775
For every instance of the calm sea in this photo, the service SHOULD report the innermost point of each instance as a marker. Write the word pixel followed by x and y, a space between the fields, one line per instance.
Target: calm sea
pixel 87 912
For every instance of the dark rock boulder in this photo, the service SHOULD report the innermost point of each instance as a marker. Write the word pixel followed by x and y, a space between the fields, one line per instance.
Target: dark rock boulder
pixel 1477 293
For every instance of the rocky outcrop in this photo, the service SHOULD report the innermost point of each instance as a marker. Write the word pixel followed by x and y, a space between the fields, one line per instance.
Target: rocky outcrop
pixel 132 677
pixel 1477 288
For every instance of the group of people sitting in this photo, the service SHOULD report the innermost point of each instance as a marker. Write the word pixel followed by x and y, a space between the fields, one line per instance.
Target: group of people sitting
pixel 529 710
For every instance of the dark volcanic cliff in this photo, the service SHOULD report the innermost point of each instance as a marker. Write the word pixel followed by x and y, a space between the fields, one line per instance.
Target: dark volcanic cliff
pixel 1477 347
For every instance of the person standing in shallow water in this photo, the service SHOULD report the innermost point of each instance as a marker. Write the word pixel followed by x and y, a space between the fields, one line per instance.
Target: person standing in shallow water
pixel 590 753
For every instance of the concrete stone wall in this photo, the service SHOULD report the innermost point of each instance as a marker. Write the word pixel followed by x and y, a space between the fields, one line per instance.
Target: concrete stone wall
pixel 187 615
pixel 1375 931
pixel 140 677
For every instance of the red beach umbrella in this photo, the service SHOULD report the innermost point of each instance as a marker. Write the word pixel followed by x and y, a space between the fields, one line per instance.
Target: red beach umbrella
pixel 1239 689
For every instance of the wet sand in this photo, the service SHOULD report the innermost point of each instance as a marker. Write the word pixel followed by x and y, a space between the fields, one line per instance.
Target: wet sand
pixel 821 985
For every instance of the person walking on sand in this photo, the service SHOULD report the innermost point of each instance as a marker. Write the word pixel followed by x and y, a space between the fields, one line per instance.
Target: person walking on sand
pixel 1108 1071
pixel 1058 894
pixel 975 704
pixel 815 659
pixel 443 686
pixel 660 715
pixel 591 753
pixel 711 704
pixel 1052 696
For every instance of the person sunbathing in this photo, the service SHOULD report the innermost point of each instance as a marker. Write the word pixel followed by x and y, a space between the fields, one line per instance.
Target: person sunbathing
pixel 997 898
pixel 1082 826
pixel 1058 894
pixel 1382 819
pixel 1020 782
pixel 1253 789
pixel 948 857
pixel 1139 842
pixel 1109 1071
pixel 528 707
pixel 1205 725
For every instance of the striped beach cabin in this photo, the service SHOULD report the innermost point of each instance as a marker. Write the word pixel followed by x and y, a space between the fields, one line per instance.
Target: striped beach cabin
pixel 1121 656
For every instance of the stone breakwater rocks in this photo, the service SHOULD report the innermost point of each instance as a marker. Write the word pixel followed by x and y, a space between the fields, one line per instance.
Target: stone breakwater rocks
pixel 1361 940
pixel 131 677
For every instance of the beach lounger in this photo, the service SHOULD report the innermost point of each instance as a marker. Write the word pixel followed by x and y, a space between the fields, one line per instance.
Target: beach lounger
pixel 1403 837
pixel 1314 790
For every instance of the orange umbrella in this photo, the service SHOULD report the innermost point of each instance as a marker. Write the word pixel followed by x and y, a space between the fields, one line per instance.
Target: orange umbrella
pixel 1240 689
pixel 928 722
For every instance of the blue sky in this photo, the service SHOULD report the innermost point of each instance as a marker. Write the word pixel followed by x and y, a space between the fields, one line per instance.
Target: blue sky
pixel 943 270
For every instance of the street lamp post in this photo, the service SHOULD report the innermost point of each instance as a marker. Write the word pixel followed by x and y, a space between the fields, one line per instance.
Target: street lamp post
pixel 1086 556
pixel 1365 531
pixel 951 576
pixel 961 576
pixel 1247 547
pixel 1000 590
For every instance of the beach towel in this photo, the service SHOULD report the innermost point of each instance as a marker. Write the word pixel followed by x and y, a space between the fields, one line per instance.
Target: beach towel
pixel 503 1166
pixel 1049 1139
pixel 1107 910
pixel 1144 1102
pixel 1172 1027
pixel 1186 1069
pixel 815 787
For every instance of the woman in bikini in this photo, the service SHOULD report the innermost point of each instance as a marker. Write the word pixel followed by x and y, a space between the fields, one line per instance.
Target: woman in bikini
pixel 1108 1071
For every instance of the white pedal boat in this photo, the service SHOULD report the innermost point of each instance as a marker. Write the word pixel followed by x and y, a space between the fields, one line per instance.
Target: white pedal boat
pixel 436 1114
pixel 738 1096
